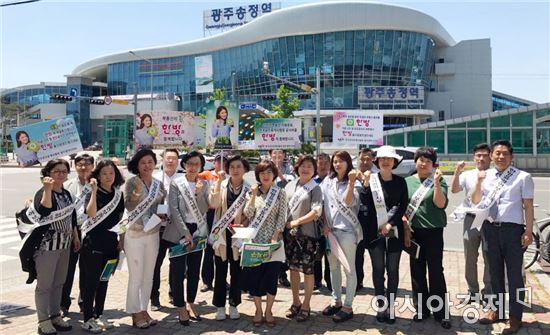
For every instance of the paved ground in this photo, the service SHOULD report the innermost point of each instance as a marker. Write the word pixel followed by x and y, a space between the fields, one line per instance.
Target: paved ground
pixel 536 318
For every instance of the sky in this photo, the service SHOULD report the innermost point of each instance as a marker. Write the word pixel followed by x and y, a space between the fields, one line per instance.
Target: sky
pixel 43 41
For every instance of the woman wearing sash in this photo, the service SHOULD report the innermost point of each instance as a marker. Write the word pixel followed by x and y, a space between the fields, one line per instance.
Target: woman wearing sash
pixel 426 218
pixel 53 239
pixel 228 194
pixel 385 195
pixel 99 245
pixel 340 207
pixel 142 195
pixel 305 205
pixel 268 201
pixel 188 200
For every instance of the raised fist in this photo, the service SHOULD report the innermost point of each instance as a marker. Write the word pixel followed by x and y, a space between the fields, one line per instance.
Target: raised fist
pixel 93 184
pixel 222 175
pixel 481 175
pixel 352 176
pixel 138 186
pixel 438 174
pixel 460 166
pixel 48 183
pixel 254 189
pixel 198 186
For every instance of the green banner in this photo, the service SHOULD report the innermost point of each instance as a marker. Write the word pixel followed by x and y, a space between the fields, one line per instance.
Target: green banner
pixel 199 243
pixel 254 254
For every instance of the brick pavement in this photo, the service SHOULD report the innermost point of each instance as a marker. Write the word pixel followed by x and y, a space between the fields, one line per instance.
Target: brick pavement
pixel 536 319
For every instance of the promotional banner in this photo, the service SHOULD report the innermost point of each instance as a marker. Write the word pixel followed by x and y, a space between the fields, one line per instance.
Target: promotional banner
pixel 253 254
pixel 165 128
pixel 222 124
pixel 174 128
pixel 204 77
pixel 278 134
pixel 41 142
pixel 358 127
pixel 179 249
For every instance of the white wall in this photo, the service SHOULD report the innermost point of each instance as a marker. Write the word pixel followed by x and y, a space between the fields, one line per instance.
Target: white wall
pixel 465 78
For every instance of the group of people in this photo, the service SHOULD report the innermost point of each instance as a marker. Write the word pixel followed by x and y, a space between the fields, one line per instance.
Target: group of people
pixel 319 208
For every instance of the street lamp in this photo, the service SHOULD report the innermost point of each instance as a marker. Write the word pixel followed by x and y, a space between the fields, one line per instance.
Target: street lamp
pixel 305 88
pixel 451 107
pixel 151 74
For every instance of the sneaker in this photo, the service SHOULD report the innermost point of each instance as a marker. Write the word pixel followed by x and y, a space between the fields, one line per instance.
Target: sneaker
pixel 220 314
pixel 234 313
pixel 46 328
pixel 60 325
pixel 92 326
pixel 104 323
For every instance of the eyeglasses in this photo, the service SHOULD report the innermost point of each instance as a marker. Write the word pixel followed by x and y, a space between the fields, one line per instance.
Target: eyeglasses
pixel 83 164
pixel 59 172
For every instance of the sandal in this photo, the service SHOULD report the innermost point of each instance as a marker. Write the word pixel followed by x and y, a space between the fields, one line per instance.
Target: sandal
pixel 258 323
pixel 139 323
pixel 271 323
pixel 293 311
pixel 342 316
pixel 303 315
pixel 331 310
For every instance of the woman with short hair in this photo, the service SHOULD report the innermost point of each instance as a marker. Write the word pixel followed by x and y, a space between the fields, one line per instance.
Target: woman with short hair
pixel 142 195
pixel 266 201
pixel 47 247
pixel 305 205
pixel 188 199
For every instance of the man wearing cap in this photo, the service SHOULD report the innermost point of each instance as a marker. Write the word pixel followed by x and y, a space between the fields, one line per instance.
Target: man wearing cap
pixel 504 195
pixel 472 237
pixel 207 270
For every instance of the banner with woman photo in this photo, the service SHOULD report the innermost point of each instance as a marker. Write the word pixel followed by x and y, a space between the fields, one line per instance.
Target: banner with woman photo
pixel 222 124
pixel 165 128
pixel 41 142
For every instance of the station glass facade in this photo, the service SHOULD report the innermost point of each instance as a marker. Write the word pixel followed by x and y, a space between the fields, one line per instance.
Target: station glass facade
pixel 30 97
pixel 520 128
pixel 347 60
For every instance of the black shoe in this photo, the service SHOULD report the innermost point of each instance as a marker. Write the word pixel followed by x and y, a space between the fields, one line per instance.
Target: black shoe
pixel 184 322
pixel 390 320
pixel 330 310
pixel 317 286
pixel 155 306
pixel 359 287
pixel 446 324
pixel 381 317
pixel 417 318
pixel 283 281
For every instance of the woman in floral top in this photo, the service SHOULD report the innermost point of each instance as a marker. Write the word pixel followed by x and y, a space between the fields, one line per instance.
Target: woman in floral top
pixel 262 280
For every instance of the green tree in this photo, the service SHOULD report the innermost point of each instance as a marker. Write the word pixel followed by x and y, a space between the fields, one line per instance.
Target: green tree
pixel 285 110
pixel 287 105
pixel 218 94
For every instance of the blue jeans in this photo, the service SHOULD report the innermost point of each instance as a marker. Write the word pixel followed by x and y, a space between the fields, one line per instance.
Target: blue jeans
pixel 348 244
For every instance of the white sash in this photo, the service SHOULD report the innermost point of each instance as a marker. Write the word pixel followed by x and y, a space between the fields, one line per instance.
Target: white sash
pixel 481 211
pixel 379 201
pixel 102 213
pixel 58 215
pixel 259 220
pixel 81 217
pixel 299 194
pixel 418 196
pixel 191 202
pixel 229 215
pixel 143 206
pixel 343 209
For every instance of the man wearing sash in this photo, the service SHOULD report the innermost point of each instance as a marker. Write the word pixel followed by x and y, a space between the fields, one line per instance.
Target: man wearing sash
pixel 385 196
pixel 84 164
pixel 508 194
pixel 45 249
pixel 285 175
pixel 166 175
pixel 340 207
pixel 105 208
pixel 426 219
pixel 365 164
pixel 142 195
pixel 305 205
pixel 266 208
pixel 188 201
pixel 228 197
pixel 323 169
pixel 472 237
pixel 207 268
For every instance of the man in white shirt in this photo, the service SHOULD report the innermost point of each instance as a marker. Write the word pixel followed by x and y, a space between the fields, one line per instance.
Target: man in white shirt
pixel 84 165
pixel 166 175
pixel 466 181
pixel 508 194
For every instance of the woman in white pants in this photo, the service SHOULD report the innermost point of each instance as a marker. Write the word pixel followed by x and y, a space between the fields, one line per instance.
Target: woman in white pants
pixel 141 247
